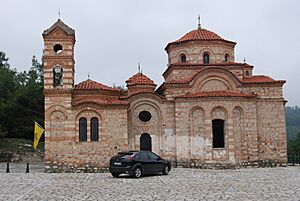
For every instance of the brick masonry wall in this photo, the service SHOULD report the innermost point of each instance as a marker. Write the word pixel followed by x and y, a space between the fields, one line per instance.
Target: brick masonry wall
pixel 62 139
pixel 188 143
pixel 180 128
pixel 271 130
pixel 194 51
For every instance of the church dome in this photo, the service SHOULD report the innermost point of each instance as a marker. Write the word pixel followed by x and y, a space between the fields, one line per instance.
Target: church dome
pixel 200 35
pixel 139 79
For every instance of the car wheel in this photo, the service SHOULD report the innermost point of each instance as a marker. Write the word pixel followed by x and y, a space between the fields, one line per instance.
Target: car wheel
pixel 165 170
pixel 115 174
pixel 137 172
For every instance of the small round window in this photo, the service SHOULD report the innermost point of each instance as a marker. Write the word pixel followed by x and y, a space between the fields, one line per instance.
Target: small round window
pixel 57 48
pixel 145 116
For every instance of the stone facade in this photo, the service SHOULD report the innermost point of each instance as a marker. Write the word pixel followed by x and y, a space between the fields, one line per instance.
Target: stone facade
pixel 210 111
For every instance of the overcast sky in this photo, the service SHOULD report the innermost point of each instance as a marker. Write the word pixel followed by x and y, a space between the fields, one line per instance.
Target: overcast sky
pixel 113 36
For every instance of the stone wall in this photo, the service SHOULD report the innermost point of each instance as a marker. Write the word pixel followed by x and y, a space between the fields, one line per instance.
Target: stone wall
pixel 271 130
pixel 62 140
pixel 194 129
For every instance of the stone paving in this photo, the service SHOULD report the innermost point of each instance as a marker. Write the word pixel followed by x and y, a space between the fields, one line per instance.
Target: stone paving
pixel 181 184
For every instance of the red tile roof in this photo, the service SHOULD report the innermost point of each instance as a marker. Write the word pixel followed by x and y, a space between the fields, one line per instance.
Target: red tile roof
pixel 257 79
pixel 99 101
pixel 200 34
pixel 92 85
pixel 211 64
pixel 217 94
pixel 62 25
pixel 182 81
pixel 260 79
pixel 139 79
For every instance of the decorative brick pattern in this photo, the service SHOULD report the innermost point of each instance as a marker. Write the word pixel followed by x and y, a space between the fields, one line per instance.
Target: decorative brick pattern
pixel 182 109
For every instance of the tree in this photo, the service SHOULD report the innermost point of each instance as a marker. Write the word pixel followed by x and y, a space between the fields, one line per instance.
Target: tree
pixel 7 91
pixel 294 146
pixel 21 99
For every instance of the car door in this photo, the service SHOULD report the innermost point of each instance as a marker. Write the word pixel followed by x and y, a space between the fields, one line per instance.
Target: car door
pixel 143 159
pixel 156 164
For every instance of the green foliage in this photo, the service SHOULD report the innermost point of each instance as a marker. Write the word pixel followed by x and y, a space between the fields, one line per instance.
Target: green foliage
pixel 21 99
pixel 294 146
pixel 123 89
pixel 292 115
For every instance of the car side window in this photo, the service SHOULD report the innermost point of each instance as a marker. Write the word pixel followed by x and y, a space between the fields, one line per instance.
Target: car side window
pixel 142 156
pixel 153 156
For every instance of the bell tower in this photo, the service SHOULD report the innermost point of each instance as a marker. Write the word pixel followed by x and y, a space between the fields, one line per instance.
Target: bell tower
pixel 58 56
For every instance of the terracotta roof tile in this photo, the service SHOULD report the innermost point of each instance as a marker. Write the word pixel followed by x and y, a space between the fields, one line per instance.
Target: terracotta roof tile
pixel 257 79
pixel 139 79
pixel 92 85
pixel 182 81
pixel 99 101
pixel 260 79
pixel 62 25
pixel 217 94
pixel 200 34
pixel 212 64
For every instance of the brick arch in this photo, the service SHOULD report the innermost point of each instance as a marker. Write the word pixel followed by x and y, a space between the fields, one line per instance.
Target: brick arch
pixel 198 132
pixel 209 74
pixel 153 127
pixel 240 109
pixel 149 103
pixel 196 108
pixel 219 112
pixel 53 108
pixel 239 133
pixel 220 138
pixel 206 50
pixel 231 57
pixel 57 125
pixel 82 112
pixel 209 52
pixel 181 52
pixel 142 95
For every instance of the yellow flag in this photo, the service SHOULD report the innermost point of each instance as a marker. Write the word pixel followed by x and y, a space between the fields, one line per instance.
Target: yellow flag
pixel 38 132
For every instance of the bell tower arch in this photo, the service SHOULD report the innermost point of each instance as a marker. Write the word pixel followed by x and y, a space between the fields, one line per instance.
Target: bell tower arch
pixel 58 56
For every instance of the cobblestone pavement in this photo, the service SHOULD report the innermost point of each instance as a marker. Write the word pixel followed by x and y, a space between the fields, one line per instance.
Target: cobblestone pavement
pixel 180 184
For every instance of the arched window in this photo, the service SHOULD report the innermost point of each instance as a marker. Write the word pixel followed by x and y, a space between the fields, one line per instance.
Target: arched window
pixel 227 58
pixel 247 73
pixel 218 133
pixel 94 129
pixel 182 58
pixel 82 129
pixel 206 58
pixel 57 76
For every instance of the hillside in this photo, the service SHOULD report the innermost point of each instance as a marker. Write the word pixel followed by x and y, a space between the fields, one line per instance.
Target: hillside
pixel 20 150
pixel 292 121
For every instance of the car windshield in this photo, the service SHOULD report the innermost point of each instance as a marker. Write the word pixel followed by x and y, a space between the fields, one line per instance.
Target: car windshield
pixel 125 155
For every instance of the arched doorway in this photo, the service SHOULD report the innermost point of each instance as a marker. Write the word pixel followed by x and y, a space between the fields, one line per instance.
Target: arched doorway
pixel 145 142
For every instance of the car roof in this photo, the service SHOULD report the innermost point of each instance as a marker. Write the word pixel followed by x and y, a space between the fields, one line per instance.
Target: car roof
pixel 132 151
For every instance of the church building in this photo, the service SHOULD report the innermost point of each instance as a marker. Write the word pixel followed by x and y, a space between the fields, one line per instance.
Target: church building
pixel 210 111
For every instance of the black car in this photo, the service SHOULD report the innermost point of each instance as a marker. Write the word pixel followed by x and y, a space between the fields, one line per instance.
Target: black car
pixel 138 163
